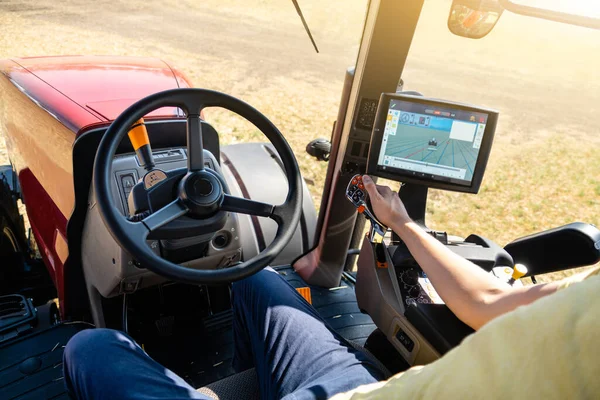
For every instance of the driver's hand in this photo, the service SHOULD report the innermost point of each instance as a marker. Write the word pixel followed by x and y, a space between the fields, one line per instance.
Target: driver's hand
pixel 387 206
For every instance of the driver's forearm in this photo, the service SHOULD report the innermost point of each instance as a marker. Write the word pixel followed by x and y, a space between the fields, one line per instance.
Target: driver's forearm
pixel 475 296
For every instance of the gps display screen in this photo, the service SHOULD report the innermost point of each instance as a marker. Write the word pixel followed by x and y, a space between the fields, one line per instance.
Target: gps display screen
pixel 431 142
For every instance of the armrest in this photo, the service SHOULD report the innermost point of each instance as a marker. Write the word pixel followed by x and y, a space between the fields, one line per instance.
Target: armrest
pixel 565 247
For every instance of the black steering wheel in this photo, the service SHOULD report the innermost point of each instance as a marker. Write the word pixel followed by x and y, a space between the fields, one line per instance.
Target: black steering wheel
pixel 200 193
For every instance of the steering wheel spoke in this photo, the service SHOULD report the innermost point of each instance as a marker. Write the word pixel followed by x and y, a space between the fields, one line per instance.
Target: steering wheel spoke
pixel 246 206
pixel 195 148
pixel 282 213
pixel 168 213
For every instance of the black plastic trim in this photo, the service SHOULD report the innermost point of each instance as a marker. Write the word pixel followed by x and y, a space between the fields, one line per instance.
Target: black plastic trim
pixel 569 246
pixel 438 325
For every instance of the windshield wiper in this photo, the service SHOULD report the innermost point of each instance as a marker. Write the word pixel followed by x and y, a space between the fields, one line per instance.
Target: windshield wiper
pixel 299 11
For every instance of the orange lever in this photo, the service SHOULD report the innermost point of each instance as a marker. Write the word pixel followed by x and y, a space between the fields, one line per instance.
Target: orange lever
pixel 138 135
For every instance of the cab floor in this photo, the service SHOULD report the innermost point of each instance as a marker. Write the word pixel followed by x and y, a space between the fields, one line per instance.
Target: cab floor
pixel 205 353
pixel 337 306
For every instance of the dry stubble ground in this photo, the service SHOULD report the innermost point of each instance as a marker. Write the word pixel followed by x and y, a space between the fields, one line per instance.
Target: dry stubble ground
pixel 541 76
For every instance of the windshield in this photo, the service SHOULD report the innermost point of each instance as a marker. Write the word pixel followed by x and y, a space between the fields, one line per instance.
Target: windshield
pixel 542 76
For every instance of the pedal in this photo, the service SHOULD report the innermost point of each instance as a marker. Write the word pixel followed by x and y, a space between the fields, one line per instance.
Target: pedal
pixel 356 193
pixel 164 325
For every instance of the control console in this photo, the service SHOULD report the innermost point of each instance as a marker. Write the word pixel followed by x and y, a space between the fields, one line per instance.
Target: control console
pixel 415 287
pixel 413 283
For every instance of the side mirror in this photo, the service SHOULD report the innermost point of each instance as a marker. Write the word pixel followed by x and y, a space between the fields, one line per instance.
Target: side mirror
pixel 473 18
pixel 569 246
pixel 319 148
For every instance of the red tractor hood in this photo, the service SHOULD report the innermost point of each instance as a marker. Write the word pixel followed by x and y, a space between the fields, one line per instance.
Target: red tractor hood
pixel 87 90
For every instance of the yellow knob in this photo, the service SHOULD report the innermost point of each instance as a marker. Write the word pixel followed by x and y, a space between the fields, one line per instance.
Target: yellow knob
pixel 519 271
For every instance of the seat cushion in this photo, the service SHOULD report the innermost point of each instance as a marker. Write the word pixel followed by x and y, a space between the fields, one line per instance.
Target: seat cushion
pixel 243 385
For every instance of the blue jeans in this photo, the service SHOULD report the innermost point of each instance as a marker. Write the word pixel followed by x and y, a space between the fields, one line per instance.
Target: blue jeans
pixel 295 353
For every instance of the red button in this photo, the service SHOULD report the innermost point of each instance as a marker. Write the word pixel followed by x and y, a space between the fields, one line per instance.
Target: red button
pixel 361 209
pixel 361 186
pixel 354 181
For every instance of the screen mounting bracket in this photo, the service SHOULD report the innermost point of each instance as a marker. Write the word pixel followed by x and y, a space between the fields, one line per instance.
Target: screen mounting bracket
pixel 414 198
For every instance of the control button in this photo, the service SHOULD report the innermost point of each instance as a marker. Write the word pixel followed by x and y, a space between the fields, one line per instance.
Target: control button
pixel 221 240
pixel 405 340
pixel 354 181
pixel 360 194
pixel 410 277
pixel 127 181
pixel 361 209
pixel 356 197
pixel 361 186
pixel 129 286
pixel 414 291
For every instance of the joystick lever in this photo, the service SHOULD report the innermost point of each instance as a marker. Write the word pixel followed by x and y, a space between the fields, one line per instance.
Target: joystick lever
pixel 518 272
pixel 356 193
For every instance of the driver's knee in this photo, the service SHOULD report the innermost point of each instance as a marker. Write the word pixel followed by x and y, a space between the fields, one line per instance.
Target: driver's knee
pixel 265 282
pixel 87 344
pixel 257 282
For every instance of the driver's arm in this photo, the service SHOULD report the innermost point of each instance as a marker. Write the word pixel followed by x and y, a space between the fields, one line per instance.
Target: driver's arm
pixel 474 295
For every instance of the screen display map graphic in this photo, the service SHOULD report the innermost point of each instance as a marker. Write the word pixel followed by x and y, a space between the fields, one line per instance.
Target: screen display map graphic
pixel 429 141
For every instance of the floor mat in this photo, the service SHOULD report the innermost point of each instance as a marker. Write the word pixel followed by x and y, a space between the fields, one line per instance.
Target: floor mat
pixel 31 367
pixel 201 355
pixel 337 306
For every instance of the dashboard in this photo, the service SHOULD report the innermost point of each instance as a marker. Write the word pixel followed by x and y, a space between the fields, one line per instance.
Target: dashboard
pixel 250 170
pixel 120 272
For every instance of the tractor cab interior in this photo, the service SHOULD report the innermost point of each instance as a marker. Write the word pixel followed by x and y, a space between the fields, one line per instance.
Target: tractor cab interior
pixel 166 217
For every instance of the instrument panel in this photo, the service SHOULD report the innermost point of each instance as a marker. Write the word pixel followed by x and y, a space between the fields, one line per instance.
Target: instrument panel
pixel 415 287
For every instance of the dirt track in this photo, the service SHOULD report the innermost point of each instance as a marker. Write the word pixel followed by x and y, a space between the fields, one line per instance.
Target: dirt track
pixel 542 76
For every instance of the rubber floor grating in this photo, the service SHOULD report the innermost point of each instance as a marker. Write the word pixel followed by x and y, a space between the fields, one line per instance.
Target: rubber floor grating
pixel 31 367
pixel 337 306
